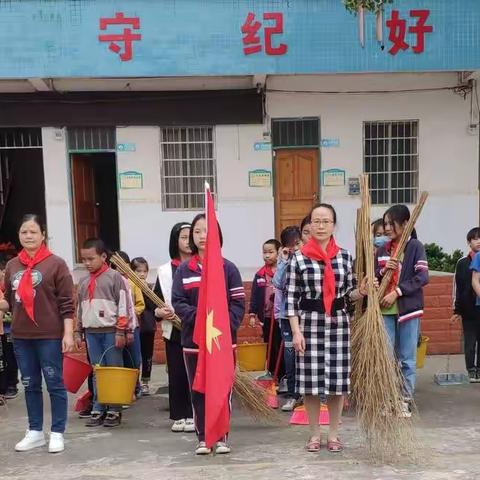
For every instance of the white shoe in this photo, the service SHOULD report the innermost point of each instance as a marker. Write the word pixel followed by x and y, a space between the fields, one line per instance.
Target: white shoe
pixel 178 426
pixel 189 426
pixel 406 410
pixel 222 448
pixel 289 405
pixel 202 449
pixel 32 439
pixel 56 444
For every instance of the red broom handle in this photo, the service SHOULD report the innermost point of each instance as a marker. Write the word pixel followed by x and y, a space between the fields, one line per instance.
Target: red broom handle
pixel 279 360
pixel 270 340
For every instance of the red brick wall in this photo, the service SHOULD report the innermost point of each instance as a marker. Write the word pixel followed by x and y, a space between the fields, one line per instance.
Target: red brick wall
pixel 435 323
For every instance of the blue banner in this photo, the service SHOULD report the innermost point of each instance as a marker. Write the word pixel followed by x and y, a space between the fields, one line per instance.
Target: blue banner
pixel 134 38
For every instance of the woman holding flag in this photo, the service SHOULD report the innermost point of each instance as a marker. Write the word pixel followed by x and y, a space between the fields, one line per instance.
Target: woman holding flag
pixel 319 278
pixel 209 297
pixel 39 293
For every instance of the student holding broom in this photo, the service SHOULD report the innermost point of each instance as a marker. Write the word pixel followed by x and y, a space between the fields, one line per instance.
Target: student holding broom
pixel 402 306
pixel 39 294
pixel 178 388
pixel 185 294
pixel 319 278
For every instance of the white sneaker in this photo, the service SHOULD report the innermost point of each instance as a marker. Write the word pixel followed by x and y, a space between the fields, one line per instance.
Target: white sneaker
pixel 406 410
pixel 289 405
pixel 32 439
pixel 189 426
pixel 56 444
pixel 222 448
pixel 202 449
pixel 178 426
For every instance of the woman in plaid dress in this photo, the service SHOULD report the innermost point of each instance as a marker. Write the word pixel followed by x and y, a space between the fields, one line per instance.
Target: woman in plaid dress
pixel 319 277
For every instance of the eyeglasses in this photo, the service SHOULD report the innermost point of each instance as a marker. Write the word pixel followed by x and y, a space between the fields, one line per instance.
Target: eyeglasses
pixel 322 223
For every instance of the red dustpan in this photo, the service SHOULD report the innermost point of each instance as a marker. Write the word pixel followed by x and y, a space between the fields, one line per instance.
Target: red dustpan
pixel 299 416
pixel 83 402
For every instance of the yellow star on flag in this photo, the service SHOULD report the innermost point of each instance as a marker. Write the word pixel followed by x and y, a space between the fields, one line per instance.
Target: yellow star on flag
pixel 212 333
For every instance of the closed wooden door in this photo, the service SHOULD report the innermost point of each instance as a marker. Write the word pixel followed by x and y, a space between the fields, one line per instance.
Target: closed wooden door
pixel 86 214
pixel 296 186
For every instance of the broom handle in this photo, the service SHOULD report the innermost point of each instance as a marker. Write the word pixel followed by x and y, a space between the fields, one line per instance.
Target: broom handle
pixel 270 341
pixel 279 360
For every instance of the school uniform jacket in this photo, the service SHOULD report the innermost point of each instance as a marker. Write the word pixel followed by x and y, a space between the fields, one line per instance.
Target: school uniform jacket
pixel 464 297
pixel 257 296
pixel 186 283
pixel 413 277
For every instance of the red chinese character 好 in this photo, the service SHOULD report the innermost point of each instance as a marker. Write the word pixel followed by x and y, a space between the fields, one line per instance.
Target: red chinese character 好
pixel 251 39
pixel 127 37
pixel 420 29
pixel 398 31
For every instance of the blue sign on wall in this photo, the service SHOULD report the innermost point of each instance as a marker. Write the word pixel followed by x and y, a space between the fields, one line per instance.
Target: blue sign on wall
pixel 132 38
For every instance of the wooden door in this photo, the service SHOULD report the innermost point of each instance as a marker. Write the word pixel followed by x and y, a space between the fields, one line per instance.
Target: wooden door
pixel 296 186
pixel 86 216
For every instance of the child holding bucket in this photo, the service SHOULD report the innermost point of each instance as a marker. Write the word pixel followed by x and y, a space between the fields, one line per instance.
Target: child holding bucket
pixel 102 316
pixel 185 290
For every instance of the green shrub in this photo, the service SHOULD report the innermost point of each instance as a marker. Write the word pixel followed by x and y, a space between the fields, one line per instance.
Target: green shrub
pixel 439 260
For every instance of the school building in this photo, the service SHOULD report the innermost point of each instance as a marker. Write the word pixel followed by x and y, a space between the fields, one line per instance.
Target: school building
pixel 115 112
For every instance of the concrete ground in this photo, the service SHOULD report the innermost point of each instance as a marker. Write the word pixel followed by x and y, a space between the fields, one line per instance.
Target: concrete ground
pixel 144 448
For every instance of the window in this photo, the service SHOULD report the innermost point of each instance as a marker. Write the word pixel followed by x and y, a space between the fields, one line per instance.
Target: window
pixel 296 132
pixel 188 160
pixel 390 155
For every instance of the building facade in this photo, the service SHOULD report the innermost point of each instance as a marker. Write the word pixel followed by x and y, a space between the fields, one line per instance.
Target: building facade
pixel 116 112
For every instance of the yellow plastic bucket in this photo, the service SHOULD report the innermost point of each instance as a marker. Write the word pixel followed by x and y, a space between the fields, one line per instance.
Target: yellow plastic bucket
pixel 115 385
pixel 422 352
pixel 251 356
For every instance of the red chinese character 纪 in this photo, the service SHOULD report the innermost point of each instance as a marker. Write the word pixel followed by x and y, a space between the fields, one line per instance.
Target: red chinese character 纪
pixel 420 29
pixel 251 39
pixel 127 37
pixel 398 30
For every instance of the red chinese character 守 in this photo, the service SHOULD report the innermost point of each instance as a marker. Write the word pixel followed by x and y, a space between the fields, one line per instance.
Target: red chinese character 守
pixel 250 30
pixel 398 31
pixel 127 37
pixel 276 29
pixel 420 29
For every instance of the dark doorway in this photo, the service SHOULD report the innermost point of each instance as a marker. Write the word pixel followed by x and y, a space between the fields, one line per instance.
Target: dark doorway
pixel 22 189
pixel 95 205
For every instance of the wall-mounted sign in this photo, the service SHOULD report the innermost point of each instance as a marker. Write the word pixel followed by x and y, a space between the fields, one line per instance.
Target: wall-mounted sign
pixel 126 147
pixel 354 186
pixel 262 146
pixel 329 142
pixel 131 180
pixel 334 177
pixel 259 178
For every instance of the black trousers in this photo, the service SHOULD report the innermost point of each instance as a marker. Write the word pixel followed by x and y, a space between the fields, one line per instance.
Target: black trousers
pixel 8 364
pixel 275 349
pixel 471 342
pixel 178 387
pixel 198 399
pixel 147 342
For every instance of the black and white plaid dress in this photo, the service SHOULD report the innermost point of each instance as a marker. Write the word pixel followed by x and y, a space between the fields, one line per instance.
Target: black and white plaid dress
pixel 324 368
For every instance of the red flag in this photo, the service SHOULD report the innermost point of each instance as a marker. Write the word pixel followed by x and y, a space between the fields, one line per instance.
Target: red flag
pixel 215 368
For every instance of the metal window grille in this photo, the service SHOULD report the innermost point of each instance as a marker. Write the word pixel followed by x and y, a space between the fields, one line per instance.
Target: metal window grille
pixel 88 139
pixel 20 138
pixel 390 155
pixel 297 132
pixel 188 160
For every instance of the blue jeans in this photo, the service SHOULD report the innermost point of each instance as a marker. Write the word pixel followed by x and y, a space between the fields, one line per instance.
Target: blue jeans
pixel 133 352
pixel 98 344
pixel 288 356
pixel 35 357
pixel 404 338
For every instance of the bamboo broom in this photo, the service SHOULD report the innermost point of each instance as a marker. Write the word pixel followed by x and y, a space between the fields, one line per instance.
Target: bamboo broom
pixel 252 397
pixel 359 261
pixel 403 242
pixel 376 378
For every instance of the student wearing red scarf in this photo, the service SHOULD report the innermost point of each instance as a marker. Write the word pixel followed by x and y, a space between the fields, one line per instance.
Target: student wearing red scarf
pixel 39 293
pixel 319 277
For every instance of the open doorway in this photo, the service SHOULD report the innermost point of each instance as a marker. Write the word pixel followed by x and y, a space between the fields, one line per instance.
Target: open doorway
pixel 95 201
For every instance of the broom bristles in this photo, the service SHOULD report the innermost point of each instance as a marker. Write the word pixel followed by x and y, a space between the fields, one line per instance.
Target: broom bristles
pixel 376 378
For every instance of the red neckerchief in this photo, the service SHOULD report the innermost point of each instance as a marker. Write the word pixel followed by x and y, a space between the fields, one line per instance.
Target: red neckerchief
pixel 266 270
pixel 312 249
pixel 25 287
pixel 93 280
pixel 176 262
pixel 195 263
pixel 471 254
pixel 391 249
